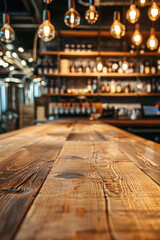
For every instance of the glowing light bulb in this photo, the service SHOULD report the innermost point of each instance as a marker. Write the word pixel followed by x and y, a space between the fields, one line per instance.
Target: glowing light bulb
pixel 152 42
pixel 117 29
pixel 154 11
pixel 72 17
pixel 99 64
pixel 137 37
pixel 125 65
pixel 91 14
pixel 46 30
pixel 133 13
pixel 7 33
pixel 142 3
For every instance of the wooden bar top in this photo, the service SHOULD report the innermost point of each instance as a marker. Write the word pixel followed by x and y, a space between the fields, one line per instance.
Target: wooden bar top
pixel 78 180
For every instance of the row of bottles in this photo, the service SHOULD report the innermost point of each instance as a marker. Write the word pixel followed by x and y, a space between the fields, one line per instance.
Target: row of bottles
pixel 148 86
pixel 74 108
pixel 78 48
pixel 53 86
pixel 79 66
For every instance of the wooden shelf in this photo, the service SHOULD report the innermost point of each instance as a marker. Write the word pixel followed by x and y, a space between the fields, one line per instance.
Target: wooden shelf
pixel 105 95
pixel 110 75
pixel 90 34
pixel 96 53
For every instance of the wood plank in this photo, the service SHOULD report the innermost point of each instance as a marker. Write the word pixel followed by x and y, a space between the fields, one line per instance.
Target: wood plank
pixel 101 195
pixel 144 153
pixel 21 176
pixel 80 212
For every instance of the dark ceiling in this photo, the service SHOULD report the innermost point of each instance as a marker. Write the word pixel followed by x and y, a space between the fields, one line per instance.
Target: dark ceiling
pixel 26 16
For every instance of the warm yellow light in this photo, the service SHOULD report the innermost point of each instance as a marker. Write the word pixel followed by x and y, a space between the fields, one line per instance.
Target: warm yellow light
pixel 137 37
pixel 117 29
pixel 91 15
pixel 125 66
pixel 154 11
pixel 7 33
pixel 152 42
pixel 99 65
pixel 133 14
pixel 72 18
pixel 142 3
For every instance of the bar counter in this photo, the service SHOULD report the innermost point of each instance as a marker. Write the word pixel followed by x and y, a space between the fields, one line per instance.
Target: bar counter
pixel 78 180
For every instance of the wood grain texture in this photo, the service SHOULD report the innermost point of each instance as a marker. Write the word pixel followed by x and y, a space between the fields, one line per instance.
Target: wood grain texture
pixel 22 174
pixel 79 180
pixel 144 153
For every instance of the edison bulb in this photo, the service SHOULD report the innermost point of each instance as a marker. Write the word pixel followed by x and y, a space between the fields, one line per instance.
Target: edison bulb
pixel 142 3
pixel 133 14
pixel 137 37
pixel 47 1
pixel 154 11
pixel 91 14
pixel 125 66
pixel 117 29
pixel 46 31
pixel 7 33
pixel 72 18
pixel 152 42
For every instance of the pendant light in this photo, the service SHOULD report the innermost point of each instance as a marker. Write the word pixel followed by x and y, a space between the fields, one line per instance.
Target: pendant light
pixel 91 14
pixel 142 3
pixel 72 17
pixel 133 13
pixel 154 11
pixel 152 42
pixel 7 33
pixel 117 29
pixel 137 37
pixel 46 30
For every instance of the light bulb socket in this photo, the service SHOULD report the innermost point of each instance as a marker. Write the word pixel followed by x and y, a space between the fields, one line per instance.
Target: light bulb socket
pixel 71 4
pixel 116 15
pixel 137 27
pixel 152 32
pixel 91 3
pixel 46 15
pixel 6 18
pixel 47 1
pixel 154 1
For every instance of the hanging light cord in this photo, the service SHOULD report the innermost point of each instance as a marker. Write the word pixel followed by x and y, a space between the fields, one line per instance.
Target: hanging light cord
pixel 5 5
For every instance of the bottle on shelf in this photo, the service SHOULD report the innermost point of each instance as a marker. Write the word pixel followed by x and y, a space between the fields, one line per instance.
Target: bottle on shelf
pixel 113 86
pixel 108 89
pixel 103 88
pixel 89 86
pixel 51 67
pixel 154 86
pixel 46 68
pixel 66 48
pixel 87 68
pixel 131 67
pixel 72 67
pixel 147 68
pixel 133 48
pixel 127 88
pixel 115 67
pixel 153 68
pixel 158 66
pixel 110 70
pixel 148 86
pixel 119 87
pixel 94 86
pixel 80 68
